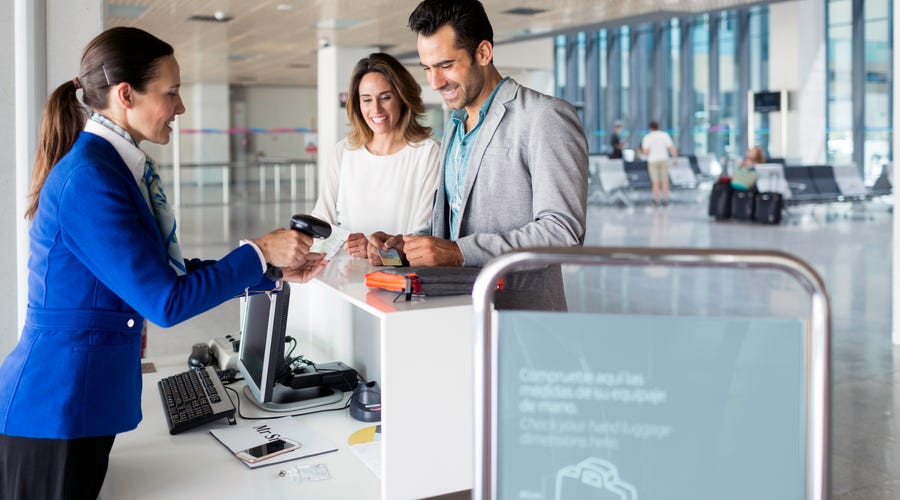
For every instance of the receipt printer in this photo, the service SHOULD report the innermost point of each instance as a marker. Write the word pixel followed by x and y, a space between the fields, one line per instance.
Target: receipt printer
pixel 224 350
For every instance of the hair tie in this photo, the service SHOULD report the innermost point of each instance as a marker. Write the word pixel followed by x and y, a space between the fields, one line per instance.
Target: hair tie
pixel 76 83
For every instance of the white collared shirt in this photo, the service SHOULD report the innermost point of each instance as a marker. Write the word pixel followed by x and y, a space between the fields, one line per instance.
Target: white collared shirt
pixel 133 157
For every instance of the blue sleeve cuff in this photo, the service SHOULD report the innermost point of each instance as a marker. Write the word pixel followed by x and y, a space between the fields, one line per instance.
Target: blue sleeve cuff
pixel 262 258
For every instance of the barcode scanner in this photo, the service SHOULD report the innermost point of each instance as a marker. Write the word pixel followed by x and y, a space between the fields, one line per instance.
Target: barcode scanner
pixel 306 224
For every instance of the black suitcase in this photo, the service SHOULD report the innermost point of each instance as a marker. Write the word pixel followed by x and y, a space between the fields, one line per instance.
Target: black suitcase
pixel 720 200
pixel 767 207
pixel 742 205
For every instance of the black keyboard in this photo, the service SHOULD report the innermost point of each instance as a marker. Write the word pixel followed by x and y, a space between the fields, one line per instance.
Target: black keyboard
pixel 194 398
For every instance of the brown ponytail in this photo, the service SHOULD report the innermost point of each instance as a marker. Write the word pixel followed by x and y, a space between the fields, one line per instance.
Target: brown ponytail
pixel 119 54
pixel 63 119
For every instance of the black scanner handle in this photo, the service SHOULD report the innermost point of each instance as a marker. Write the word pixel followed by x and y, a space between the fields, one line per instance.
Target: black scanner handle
pixel 306 224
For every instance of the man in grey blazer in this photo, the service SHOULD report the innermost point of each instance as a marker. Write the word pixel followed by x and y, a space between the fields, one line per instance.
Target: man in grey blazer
pixel 514 161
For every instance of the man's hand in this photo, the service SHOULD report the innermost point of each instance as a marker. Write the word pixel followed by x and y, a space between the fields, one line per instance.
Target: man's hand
pixel 356 245
pixel 315 263
pixel 380 240
pixel 431 251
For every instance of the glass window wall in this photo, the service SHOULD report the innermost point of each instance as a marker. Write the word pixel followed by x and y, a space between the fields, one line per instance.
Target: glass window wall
pixel 839 82
pixel 700 52
pixel 605 125
pixel 759 71
pixel 724 130
pixel 625 112
pixel 878 70
pixel 674 34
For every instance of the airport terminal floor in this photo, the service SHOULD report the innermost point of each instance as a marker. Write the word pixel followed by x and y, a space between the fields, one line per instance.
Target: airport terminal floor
pixel 849 245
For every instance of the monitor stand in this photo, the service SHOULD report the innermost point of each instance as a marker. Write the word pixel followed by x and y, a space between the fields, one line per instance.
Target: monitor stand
pixel 286 399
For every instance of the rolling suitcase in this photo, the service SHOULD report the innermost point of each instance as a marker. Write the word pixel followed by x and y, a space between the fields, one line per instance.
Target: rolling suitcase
pixel 742 205
pixel 767 207
pixel 720 201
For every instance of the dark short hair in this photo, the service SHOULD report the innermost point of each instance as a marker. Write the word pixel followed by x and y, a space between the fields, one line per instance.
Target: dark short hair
pixel 406 88
pixel 467 18
pixel 654 125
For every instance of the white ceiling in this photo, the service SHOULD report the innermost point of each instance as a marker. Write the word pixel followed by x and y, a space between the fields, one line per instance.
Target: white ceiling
pixel 274 42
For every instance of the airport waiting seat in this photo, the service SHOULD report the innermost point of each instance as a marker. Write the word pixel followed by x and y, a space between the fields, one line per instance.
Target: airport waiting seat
pixel 849 182
pixel 801 184
pixel 770 178
pixel 884 183
pixel 680 173
pixel 694 164
pixel 709 166
pixel 593 171
pixel 608 175
pixel 824 182
pixel 638 176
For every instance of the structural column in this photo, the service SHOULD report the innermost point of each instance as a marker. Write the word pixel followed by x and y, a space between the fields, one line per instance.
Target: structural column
pixel 335 66
pixel 896 182
pixel 45 39
pixel 686 88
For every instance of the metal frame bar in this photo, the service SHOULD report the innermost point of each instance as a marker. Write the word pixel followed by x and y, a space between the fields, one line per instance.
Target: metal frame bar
pixel 817 342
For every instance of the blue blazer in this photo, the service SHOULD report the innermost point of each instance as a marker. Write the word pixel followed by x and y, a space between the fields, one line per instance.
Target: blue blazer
pixel 98 267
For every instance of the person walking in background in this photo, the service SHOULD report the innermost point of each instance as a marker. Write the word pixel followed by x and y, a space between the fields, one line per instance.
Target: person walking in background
pixel 103 257
pixel 657 146
pixel 386 171
pixel 514 160
pixel 616 145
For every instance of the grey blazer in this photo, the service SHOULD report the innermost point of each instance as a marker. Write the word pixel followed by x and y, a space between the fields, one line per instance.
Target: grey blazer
pixel 526 186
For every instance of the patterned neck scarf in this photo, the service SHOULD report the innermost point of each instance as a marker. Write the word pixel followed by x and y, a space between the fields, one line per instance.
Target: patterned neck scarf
pixel 165 218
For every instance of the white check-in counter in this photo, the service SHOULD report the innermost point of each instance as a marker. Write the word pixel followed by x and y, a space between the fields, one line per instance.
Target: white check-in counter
pixel 420 352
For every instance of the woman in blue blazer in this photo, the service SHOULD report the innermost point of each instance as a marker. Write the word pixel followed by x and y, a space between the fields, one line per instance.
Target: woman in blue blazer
pixel 103 257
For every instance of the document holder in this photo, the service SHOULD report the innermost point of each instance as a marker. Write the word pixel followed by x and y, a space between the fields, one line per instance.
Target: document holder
pixel 428 281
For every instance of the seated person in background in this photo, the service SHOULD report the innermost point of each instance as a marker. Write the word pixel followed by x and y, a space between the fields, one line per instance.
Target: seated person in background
pixel 386 171
pixel 744 177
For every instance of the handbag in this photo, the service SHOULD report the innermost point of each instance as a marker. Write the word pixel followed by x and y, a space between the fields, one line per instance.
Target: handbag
pixel 744 178
pixel 426 280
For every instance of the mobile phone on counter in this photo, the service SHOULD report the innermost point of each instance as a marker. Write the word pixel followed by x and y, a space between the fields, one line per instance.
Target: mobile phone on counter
pixel 267 450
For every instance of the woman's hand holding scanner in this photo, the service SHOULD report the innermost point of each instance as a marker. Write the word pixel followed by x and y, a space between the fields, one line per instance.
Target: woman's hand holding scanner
pixel 357 245
pixel 289 249
pixel 431 251
pixel 284 247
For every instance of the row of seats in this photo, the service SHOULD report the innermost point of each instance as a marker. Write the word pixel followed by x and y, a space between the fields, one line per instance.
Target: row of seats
pixel 814 183
pixel 615 178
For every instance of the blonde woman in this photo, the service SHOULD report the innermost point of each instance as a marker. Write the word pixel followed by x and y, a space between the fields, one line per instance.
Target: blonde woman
pixel 386 171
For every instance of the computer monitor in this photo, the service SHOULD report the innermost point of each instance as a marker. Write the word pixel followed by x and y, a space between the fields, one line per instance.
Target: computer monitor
pixel 261 358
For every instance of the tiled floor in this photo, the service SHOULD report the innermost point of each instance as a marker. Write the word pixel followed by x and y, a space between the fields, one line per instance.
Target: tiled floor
pixel 849 246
